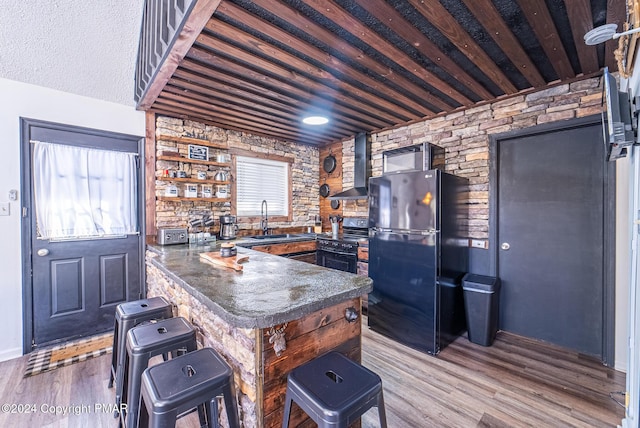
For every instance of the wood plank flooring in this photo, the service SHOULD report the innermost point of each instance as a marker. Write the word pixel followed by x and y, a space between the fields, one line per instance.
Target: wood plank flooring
pixel 517 382
pixel 514 383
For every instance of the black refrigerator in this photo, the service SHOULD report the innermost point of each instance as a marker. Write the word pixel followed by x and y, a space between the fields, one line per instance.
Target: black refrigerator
pixel 418 253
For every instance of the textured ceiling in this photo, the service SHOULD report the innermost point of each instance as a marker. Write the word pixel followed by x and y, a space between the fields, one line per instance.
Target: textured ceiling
pixel 259 66
pixel 78 46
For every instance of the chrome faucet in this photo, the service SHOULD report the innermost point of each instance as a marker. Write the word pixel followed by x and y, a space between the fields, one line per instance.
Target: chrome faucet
pixel 264 222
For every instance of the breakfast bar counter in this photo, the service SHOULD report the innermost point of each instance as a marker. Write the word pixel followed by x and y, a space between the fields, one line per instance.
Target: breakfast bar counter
pixel 266 319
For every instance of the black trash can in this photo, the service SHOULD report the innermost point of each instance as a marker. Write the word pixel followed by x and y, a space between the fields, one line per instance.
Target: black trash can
pixel 481 300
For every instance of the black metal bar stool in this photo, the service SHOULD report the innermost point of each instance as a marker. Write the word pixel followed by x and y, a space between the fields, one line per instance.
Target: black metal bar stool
pixel 334 391
pixel 171 388
pixel 144 342
pixel 129 315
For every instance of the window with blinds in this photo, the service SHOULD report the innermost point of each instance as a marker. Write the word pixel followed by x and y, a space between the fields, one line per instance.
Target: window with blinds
pixel 258 180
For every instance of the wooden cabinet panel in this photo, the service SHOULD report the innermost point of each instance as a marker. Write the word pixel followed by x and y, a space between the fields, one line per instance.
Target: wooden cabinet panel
pixel 286 247
pixel 363 253
pixel 307 338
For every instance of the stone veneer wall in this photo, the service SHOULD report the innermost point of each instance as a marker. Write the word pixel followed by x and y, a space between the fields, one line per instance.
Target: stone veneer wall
pixel 236 345
pixel 465 137
pixel 305 172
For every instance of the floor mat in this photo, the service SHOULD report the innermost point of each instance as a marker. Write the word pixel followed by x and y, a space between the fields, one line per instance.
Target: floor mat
pixel 47 359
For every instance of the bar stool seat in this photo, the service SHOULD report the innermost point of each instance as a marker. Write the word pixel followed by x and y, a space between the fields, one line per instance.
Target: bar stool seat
pixel 334 391
pixel 194 379
pixel 129 315
pixel 144 342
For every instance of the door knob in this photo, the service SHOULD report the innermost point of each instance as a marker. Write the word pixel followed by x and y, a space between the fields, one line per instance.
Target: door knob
pixel 505 246
pixel 42 252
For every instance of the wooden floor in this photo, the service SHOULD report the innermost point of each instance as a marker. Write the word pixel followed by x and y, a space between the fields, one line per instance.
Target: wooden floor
pixel 514 383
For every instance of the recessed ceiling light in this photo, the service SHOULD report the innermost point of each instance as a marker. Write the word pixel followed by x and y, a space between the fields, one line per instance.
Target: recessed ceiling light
pixel 315 120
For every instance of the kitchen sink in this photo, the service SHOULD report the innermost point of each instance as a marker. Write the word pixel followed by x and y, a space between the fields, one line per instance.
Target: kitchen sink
pixel 283 235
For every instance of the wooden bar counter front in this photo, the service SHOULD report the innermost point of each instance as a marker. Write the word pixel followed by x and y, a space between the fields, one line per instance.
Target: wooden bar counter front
pixel 265 320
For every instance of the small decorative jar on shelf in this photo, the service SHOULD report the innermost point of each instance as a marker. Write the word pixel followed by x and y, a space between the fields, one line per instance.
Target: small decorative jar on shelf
pixel 207 190
pixel 171 191
pixel 222 192
pixel 191 191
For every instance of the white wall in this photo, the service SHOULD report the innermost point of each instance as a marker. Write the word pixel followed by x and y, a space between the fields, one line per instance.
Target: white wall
pixel 82 47
pixel 35 102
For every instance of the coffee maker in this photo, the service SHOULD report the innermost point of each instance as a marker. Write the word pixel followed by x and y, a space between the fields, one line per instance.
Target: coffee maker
pixel 228 227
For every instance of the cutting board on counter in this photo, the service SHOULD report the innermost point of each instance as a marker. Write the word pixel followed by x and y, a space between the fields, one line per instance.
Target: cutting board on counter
pixel 233 262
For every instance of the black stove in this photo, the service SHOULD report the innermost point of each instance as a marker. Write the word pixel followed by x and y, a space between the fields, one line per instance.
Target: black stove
pixel 342 252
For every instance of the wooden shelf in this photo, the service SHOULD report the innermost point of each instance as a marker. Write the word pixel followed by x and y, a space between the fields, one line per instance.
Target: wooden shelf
pixel 182 198
pixel 192 180
pixel 191 140
pixel 187 160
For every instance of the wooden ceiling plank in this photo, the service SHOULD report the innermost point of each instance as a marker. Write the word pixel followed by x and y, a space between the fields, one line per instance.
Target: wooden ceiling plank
pixel 487 14
pixel 332 64
pixel 202 11
pixel 320 75
pixel 450 28
pixel 386 14
pixel 248 124
pixel 616 14
pixel 225 98
pixel 160 108
pixel 238 86
pixel 542 24
pixel 217 109
pixel 342 18
pixel 205 86
pixel 200 85
pixel 217 105
pixel 328 38
pixel 347 114
pixel 284 77
pixel 581 19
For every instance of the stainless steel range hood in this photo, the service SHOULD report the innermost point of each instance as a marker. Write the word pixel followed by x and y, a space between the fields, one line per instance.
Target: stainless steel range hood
pixel 361 171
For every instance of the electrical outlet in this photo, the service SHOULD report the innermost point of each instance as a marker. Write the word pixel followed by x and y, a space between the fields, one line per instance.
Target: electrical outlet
pixel 478 243
pixel 4 208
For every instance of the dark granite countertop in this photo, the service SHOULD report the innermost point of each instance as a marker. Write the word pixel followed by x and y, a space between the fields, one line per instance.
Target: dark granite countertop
pixel 270 290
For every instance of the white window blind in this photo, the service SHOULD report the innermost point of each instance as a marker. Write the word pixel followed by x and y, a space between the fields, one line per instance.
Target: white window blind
pixel 258 180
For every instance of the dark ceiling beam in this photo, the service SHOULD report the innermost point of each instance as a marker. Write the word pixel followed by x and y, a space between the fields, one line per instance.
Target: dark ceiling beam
pixel 247 125
pixel 349 23
pixel 440 18
pixel 487 14
pixel 227 85
pixel 581 19
pixel 196 21
pixel 236 86
pixel 616 14
pixel 335 66
pixel 291 84
pixel 228 110
pixel 322 76
pixel 329 39
pixel 167 110
pixel 542 24
pixel 208 97
pixel 390 17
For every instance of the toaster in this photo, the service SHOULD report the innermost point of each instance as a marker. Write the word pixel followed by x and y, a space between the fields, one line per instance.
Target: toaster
pixel 172 236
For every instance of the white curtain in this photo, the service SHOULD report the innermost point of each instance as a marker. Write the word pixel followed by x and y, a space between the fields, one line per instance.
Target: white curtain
pixel 84 193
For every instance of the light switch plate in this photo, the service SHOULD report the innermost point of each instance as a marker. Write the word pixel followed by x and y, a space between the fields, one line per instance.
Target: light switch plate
pixel 4 208
pixel 479 243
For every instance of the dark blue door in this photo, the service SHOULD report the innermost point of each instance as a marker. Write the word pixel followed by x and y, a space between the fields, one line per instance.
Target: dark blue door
pixel 76 283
